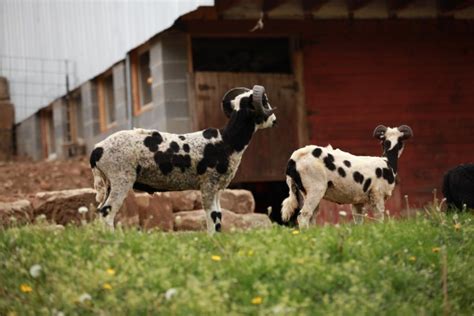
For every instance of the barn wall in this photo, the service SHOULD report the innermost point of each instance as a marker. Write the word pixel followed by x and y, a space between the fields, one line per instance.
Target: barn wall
pixel 363 73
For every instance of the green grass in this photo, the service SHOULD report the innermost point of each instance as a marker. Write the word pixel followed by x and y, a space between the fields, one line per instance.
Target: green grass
pixel 393 268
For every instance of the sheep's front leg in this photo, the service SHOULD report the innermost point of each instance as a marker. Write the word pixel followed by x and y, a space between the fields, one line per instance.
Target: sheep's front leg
pixel 358 216
pixel 211 204
pixel 379 209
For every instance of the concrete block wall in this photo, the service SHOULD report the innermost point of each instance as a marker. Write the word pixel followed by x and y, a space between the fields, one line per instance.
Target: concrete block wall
pixel 90 113
pixel 60 126
pixel 168 65
pixel 28 138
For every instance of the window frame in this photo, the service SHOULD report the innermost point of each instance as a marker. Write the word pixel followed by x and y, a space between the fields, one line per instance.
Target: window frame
pixel 101 87
pixel 138 107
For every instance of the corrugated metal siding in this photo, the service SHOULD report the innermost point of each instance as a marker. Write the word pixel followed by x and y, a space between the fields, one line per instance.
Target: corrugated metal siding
pixel 92 34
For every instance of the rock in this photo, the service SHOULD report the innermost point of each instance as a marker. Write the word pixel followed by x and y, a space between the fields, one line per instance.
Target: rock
pixel 17 212
pixel 128 215
pixel 184 200
pixel 62 206
pixel 238 201
pixel 196 220
pixel 155 211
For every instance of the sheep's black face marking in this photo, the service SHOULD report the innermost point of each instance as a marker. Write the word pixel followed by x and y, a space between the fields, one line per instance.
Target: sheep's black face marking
pixel 174 147
pixel 186 148
pixel 388 175
pixel 341 172
pixel 367 184
pixel 347 163
pixel 329 162
pixel 182 137
pixel 216 215
pixel 218 227
pixel 96 154
pixel 317 152
pixel 358 177
pixel 214 156
pixel 294 174
pixel 153 141
pixel 210 133
pixel 378 172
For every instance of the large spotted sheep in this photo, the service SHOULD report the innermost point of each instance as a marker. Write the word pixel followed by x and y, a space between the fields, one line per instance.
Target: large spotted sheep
pixel 152 161
pixel 315 173
pixel 458 186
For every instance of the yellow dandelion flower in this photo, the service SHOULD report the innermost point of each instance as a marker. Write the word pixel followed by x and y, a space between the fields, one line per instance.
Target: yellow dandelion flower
pixel 250 253
pixel 457 226
pixel 216 258
pixel 295 232
pixel 299 261
pixel 257 300
pixel 412 258
pixel 435 249
pixel 25 288
pixel 110 271
pixel 107 286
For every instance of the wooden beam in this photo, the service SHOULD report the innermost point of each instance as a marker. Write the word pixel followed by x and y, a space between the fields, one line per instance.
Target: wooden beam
pixel 312 5
pixel 397 5
pixel 269 5
pixel 454 5
pixel 224 5
pixel 354 5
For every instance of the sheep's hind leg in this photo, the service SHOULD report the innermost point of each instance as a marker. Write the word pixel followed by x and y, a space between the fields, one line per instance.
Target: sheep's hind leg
pixel 378 207
pixel 311 204
pixel 358 216
pixel 211 204
pixel 119 187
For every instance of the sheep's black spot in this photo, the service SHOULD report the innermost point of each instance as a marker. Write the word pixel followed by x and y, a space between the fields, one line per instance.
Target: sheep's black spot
pixel 216 215
pixel 347 163
pixel 182 137
pixel 367 184
pixel 105 210
pixel 138 170
pixel 358 177
pixel 317 152
pixel 181 161
pixel 341 172
pixel 96 154
pixel 329 162
pixel 330 184
pixel 153 141
pixel 146 188
pixel 294 174
pixel 210 133
pixel 186 148
pixel 378 172
pixel 163 160
pixel 214 156
pixel 388 175
pixel 218 227
pixel 174 146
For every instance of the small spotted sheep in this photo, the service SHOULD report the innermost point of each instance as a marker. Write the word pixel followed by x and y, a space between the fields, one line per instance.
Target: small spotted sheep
pixel 153 161
pixel 315 173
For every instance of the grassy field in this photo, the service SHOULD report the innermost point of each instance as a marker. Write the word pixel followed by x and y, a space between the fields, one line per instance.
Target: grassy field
pixel 422 266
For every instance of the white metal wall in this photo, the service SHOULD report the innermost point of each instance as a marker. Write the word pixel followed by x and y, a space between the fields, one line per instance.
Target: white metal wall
pixel 93 35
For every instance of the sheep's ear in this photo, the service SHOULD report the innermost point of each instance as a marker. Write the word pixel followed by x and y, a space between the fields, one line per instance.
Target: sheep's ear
pixel 406 130
pixel 230 95
pixel 379 131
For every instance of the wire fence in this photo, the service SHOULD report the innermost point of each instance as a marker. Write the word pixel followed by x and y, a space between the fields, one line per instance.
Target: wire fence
pixel 34 82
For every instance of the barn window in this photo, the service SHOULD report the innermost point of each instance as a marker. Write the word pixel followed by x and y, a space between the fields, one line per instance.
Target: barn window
pixel 141 79
pixel 261 55
pixel 105 90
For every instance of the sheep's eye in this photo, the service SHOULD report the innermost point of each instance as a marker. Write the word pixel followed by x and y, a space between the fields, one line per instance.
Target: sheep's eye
pixel 387 144
pixel 265 101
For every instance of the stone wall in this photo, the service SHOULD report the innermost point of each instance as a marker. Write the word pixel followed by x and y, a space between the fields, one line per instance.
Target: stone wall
pixel 7 119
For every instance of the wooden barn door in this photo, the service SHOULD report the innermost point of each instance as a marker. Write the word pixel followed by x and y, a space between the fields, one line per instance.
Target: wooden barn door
pixel 270 149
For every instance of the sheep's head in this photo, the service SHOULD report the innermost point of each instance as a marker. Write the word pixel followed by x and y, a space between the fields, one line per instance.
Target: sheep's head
pixel 249 103
pixel 392 138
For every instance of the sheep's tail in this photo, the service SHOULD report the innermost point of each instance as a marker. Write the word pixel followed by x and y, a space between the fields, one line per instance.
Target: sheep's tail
pixel 292 203
pixel 100 185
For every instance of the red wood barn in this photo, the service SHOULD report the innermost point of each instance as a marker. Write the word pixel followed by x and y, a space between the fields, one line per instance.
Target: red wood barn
pixel 335 69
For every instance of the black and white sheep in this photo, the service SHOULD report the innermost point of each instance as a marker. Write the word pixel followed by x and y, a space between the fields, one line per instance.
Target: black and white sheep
pixel 458 186
pixel 315 173
pixel 151 161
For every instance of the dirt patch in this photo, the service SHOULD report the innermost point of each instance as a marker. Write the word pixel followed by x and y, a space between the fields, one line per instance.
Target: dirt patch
pixel 20 179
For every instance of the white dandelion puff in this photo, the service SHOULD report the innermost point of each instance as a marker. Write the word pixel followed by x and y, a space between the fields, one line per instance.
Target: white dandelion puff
pixel 85 297
pixel 170 293
pixel 83 210
pixel 35 270
pixel 343 213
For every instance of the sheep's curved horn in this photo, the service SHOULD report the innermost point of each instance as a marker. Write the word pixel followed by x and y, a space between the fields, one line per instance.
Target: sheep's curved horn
pixel 406 130
pixel 379 131
pixel 258 92
pixel 228 97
